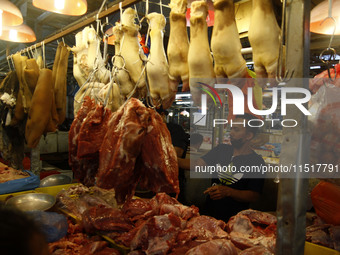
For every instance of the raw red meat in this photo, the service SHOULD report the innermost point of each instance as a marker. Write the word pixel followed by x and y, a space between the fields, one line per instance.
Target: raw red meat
pixel 102 218
pixel 136 208
pixel 158 162
pixel 252 228
pixel 322 78
pixel 158 234
pixel 256 250
pixel 215 247
pixel 181 211
pixel 201 229
pixel 92 132
pixel 120 148
pixel 75 164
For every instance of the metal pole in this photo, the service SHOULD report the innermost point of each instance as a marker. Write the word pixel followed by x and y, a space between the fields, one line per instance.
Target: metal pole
pixel 291 209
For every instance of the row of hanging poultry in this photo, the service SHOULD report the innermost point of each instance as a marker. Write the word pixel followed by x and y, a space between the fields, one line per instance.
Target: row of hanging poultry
pixel 158 76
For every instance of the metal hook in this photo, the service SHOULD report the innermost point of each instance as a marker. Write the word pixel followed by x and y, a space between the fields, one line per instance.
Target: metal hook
pixel 327 62
pixel 9 65
pixel 280 77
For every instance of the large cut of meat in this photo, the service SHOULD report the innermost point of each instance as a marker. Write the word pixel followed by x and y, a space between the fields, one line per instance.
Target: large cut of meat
pixel 121 147
pixel 225 42
pixel 120 74
pixel 263 35
pixel 92 132
pixel 129 47
pixel 252 228
pixel 157 66
pixel 199 57
pixel 178 46
pixel 40 109
pixel 74 162
pixel 216 247
pixel 158 162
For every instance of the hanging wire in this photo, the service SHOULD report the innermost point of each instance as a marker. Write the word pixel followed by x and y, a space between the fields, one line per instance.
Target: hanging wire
pixel 43 50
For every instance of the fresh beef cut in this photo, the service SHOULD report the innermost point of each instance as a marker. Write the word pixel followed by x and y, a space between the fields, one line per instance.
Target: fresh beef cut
pixel 256 250
pixel 92 132
pixel 101 218
pixel 251 228
pixel 120 149
pixel 216 247
pixel 158 161
pixel 77 166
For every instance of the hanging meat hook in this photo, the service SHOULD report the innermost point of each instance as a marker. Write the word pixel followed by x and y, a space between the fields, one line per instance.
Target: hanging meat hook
pixel 281 66
pixel 329 49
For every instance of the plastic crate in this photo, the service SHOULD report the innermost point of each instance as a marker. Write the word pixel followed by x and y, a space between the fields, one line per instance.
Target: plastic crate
pixel 314 249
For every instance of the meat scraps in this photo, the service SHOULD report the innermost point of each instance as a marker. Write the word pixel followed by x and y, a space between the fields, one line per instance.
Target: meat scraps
pixel 252 228
pixel 325 235
pixel 216 247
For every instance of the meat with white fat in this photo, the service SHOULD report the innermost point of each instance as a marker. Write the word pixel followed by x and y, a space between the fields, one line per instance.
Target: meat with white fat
pixel 157 66
pixel 264 36
pixel 225 42
pixel 178 46
pixel 199 57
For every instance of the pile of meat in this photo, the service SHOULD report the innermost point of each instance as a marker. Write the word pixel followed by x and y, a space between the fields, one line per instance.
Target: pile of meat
pixel 324 234
pixel 78 243
pixel 162 225
pixel 120 149
pixel 8 173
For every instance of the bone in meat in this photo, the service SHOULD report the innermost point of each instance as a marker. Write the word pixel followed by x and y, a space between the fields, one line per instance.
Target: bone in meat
pixel 130 50
pixel 178 46
pixel 264 35
pixel 120 74
pixel 225 42
pixel 199 59
pixel 157 66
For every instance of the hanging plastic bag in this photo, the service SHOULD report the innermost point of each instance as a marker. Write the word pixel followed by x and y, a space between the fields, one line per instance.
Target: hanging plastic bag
pixel 318 81
pixel 53 225
pixel 28 183
pixel 325 141
pixel 326 201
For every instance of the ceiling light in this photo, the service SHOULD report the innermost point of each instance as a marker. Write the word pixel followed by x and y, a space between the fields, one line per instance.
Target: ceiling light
pixel 10 15
pixel 319 25
pixel 67 7
pixel 21 33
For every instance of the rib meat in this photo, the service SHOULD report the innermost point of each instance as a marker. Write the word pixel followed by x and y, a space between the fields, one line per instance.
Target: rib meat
pixel 216 247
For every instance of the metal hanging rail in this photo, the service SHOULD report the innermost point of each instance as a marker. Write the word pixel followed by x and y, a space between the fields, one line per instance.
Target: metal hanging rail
pixel 82 23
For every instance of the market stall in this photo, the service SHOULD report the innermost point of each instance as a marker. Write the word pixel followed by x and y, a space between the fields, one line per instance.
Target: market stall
pixel 118 144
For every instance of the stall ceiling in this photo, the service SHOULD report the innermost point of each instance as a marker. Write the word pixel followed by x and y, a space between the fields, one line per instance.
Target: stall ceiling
pixel 46 24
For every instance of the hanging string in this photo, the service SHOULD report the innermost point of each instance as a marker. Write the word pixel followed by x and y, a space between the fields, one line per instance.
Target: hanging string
pixel 161 6
pixel 43 49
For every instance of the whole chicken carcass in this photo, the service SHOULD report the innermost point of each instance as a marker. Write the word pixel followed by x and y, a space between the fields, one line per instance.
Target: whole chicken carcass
pixel 178 46
pixel 157 66
pixel 225 42
pixel 120 74
pixel 199 57
pixel 264 36
pixel 130 50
